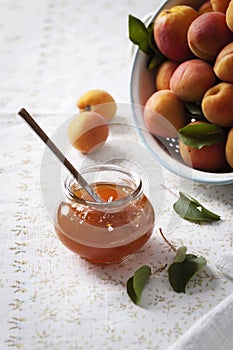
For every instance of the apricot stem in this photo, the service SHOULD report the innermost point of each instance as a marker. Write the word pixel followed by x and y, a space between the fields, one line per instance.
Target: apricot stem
pixel 159 270
pixel 165 239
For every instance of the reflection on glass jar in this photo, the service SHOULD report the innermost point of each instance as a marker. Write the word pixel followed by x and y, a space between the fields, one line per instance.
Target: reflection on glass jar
pixel 109 231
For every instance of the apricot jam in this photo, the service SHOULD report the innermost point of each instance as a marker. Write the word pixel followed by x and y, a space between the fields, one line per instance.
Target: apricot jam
pixel 105 232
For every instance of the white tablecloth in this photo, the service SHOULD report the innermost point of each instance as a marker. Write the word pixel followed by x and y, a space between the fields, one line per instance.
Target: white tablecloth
pixel 52 52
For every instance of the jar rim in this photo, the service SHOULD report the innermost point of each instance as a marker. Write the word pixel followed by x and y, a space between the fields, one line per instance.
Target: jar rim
pixel 135 194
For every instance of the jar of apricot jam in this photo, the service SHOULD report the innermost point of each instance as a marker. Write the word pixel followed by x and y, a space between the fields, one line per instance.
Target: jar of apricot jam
pixel 110 230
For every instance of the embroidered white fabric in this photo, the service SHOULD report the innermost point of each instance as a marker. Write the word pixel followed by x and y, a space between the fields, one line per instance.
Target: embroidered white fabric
pixel 51 53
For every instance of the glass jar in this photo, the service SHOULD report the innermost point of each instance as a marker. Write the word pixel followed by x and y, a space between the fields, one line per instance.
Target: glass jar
pixel 109 231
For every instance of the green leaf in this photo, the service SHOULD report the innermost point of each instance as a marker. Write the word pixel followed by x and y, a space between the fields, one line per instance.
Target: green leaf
pixel 190 209
pixel 180 254
pixel 198 135
pixel 183 268
pixel 152 43
pixel 138 33
pixel 143 36
pixel 154 61
pixel 194 111
pixel 136 283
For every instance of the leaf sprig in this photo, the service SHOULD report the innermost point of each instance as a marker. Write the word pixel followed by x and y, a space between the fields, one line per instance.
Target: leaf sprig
pixel 184 266
pixel 143 37
pixel 182 269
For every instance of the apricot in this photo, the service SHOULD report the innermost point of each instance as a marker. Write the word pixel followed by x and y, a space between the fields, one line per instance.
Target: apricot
pixel 220 5
pixel 223 66
pixel 217 104
pixel 208 34
pixel 87 131
pixel 192 79
pixel 98 101
pixel 229 16
pixel 208 158
pixel 229 148
pixel 170 31
pixel 164 114
pixel 205 7
pixel 164 73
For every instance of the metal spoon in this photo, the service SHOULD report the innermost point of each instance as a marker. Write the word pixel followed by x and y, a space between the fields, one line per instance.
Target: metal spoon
pixel 29 119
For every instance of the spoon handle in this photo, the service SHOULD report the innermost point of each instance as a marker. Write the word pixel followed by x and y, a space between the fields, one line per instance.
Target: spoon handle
pixel 28 118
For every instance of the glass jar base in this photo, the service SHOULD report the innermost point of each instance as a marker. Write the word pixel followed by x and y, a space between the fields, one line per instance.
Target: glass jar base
pixel 118 261
pixel 104 255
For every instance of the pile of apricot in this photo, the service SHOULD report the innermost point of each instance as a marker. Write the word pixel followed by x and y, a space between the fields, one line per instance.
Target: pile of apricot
pixel 198 69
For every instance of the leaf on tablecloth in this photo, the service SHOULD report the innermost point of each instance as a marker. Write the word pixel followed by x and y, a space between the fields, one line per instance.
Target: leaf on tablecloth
pixel 190 209
pixel 137 282
pixel 183 268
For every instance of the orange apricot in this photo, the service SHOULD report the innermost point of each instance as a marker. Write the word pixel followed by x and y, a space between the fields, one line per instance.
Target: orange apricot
pixel 87 131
